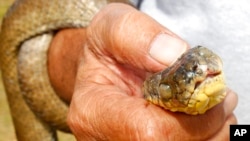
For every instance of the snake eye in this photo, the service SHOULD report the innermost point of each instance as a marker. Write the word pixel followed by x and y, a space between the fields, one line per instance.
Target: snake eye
pixel 165 91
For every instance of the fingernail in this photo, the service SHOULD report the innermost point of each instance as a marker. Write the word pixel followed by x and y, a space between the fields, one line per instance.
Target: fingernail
pixel 166 49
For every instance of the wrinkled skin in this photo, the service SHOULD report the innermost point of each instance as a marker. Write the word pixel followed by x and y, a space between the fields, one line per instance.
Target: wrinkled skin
pixel 111 62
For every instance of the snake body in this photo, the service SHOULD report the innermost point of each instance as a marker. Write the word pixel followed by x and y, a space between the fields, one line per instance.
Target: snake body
pixel 37 112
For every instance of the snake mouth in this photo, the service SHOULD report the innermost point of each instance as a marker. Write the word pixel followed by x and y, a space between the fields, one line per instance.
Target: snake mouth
pixel 208 93
pixel 210 76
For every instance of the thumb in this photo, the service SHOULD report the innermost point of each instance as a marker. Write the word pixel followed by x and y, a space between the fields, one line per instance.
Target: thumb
pixel 133 38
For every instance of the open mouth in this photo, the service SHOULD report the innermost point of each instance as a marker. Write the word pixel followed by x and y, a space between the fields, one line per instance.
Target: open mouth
pixel 211 76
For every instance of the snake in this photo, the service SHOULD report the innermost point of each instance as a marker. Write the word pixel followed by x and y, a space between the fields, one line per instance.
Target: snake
pixel 193 84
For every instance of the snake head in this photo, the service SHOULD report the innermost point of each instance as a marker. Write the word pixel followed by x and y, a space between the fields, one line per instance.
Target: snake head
pixel 193 84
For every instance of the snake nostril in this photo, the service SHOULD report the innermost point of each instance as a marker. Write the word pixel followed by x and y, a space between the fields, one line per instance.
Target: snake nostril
pixel 195 67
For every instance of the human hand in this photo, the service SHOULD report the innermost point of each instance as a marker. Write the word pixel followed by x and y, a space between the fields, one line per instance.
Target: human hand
pixel 122 46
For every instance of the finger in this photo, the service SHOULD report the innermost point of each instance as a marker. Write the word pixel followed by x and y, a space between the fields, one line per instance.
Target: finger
pixel 63 54
pixel 223 134
pixel 230 102
pixel 133 38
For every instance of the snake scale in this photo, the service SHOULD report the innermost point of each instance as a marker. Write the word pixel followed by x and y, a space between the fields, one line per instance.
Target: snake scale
pixel 193 84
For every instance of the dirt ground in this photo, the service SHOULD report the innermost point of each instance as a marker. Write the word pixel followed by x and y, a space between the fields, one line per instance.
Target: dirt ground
pixel 7 132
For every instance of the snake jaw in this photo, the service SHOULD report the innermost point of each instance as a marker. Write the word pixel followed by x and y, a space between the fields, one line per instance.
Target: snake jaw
pixel 208 94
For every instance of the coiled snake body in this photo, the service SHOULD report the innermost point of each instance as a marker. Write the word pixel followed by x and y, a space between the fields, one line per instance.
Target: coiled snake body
pixel 37 111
